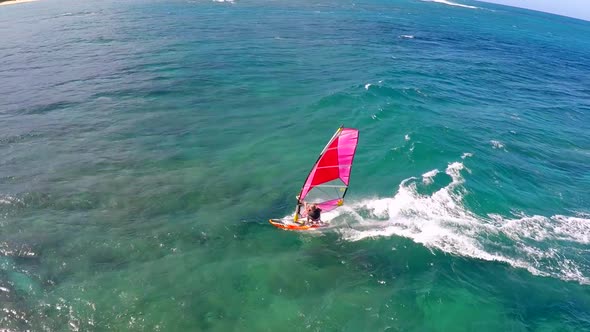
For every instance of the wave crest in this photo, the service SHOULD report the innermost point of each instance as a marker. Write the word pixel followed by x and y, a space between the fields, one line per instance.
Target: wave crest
pixel 440 220
pixel 450 3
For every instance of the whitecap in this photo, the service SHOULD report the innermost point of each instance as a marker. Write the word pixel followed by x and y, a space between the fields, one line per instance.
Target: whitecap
pixel 497 144
pixel 6 199
pixel 427 177
pixel 442 221
pixel 450 3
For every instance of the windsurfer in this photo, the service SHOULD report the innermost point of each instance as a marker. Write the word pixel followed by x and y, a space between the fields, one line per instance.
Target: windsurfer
pixel 313 213
pixel 312 210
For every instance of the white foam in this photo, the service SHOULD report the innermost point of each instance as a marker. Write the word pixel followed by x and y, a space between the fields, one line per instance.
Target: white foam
pixel 441 221
pixel 466 155
pixel 427 177
pixel 558 227
pixel 451 3
pixel 497 144
pixel 407 36
pixel 407 137
pixel 5 199
pixel 367 86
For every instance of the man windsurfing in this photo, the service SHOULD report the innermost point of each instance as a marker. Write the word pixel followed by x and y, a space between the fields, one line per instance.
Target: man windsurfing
pixel 312 210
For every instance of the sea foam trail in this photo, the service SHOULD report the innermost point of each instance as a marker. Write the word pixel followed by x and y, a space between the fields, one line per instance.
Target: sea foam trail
pixel 451 3
pixel 441 221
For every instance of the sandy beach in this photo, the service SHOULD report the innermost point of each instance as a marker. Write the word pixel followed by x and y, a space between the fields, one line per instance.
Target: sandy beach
pixel 14 2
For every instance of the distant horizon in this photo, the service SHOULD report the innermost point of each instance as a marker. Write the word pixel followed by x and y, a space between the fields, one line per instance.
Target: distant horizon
pixel 569 8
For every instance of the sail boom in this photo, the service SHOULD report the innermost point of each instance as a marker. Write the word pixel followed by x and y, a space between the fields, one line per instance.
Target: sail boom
pixel 330 186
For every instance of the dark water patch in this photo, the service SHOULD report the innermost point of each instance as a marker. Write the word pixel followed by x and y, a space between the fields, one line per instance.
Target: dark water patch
pixel 43 109
pixel 20 138
pixel 535 300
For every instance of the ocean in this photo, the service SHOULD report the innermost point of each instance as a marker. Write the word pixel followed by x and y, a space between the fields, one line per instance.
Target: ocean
pixel 145 144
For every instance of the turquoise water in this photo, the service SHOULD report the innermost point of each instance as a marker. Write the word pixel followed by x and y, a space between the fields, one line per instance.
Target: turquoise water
pixel 145 144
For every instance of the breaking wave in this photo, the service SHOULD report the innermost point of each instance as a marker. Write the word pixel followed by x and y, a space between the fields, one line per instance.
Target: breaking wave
pixel 450 3
pixel 545 246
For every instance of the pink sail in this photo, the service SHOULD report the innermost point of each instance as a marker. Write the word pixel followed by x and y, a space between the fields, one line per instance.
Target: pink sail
pixel 328 180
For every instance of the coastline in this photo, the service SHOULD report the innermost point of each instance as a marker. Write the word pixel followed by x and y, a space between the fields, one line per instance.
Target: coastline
pixel 14 2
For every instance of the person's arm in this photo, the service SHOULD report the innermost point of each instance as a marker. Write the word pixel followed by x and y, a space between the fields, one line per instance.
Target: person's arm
pixel 297 210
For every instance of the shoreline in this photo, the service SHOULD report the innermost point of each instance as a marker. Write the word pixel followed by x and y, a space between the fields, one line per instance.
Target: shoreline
pixel 14 2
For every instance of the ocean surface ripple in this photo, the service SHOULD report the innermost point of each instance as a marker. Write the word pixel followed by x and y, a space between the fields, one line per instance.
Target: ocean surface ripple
pixel 145 144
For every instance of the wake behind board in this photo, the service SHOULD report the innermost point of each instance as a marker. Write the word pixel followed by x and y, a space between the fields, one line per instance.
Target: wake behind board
pixel 327 182
pixel 293 226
